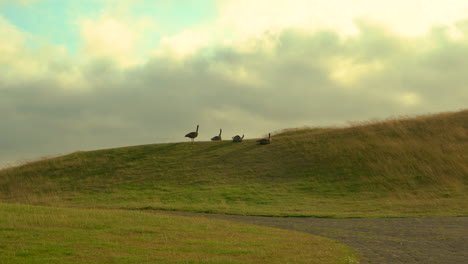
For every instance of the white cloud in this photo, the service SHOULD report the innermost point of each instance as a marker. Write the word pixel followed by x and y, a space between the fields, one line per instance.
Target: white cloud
pixel 22 63
pixel 110 38
pixel 117 35
pixel 409 18
pixel 183 44
pixel 17 60
pixel 11 41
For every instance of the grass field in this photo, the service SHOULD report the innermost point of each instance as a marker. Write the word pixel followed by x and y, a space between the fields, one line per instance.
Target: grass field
pixel 69 209
pixel 34 234
pixel 403 167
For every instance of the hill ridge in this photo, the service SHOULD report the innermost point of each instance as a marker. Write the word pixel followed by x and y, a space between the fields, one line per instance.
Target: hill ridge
pixel 410 166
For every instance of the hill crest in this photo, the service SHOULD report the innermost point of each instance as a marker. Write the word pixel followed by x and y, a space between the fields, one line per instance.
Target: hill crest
pixel 418 164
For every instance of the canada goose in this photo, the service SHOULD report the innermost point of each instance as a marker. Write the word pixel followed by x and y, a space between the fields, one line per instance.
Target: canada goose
pixel 265 141
pixel 192 135
pixel 237 138
pixel 217 137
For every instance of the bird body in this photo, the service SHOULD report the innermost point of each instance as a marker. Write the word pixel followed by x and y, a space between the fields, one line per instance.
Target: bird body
pixel 217 137
pixel 192 135
pixel 265 141
pixel 237 138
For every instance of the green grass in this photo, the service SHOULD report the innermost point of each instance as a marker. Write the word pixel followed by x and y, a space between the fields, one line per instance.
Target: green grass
pixel 392 168
pixel 34 234
pixel 402 167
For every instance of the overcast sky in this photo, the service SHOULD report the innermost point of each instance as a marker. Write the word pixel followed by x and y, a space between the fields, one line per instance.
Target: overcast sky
pixel 91 74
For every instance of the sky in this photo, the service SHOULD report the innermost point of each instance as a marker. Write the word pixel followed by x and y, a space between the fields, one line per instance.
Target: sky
pixel 93 74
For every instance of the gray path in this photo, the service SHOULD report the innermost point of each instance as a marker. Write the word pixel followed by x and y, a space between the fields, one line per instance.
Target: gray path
pixel 427 240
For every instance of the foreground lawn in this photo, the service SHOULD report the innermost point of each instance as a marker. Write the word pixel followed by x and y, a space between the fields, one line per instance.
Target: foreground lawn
pixel 33 234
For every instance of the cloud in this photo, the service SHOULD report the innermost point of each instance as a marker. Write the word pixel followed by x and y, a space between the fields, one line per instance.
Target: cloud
pixel 271 80
pixel 404 17
pixel 116 35
pixel 183 44
pixel 23 62
pixel 108 36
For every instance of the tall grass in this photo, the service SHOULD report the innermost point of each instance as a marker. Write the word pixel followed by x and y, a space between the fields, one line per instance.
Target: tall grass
pixel 398 167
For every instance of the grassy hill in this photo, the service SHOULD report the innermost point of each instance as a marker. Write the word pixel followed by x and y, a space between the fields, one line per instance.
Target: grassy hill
pixel 402 167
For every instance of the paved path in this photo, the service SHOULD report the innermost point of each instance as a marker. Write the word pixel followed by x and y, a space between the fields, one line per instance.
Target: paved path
pixel 428 240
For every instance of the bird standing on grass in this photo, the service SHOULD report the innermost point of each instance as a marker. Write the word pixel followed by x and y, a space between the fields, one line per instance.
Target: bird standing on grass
pixel 265 141
pixel 192 135
pixel 237 138
pixel 217 137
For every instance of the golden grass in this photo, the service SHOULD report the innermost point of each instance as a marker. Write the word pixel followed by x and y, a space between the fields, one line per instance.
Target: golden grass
pixel 428 149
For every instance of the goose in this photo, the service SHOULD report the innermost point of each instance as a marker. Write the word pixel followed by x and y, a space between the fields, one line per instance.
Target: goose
pixel 265 141
pixel 237 138
pixel 192 135
pixel 217 137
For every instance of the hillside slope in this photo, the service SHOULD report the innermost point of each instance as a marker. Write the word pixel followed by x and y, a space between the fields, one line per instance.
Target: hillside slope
pixel 401 167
